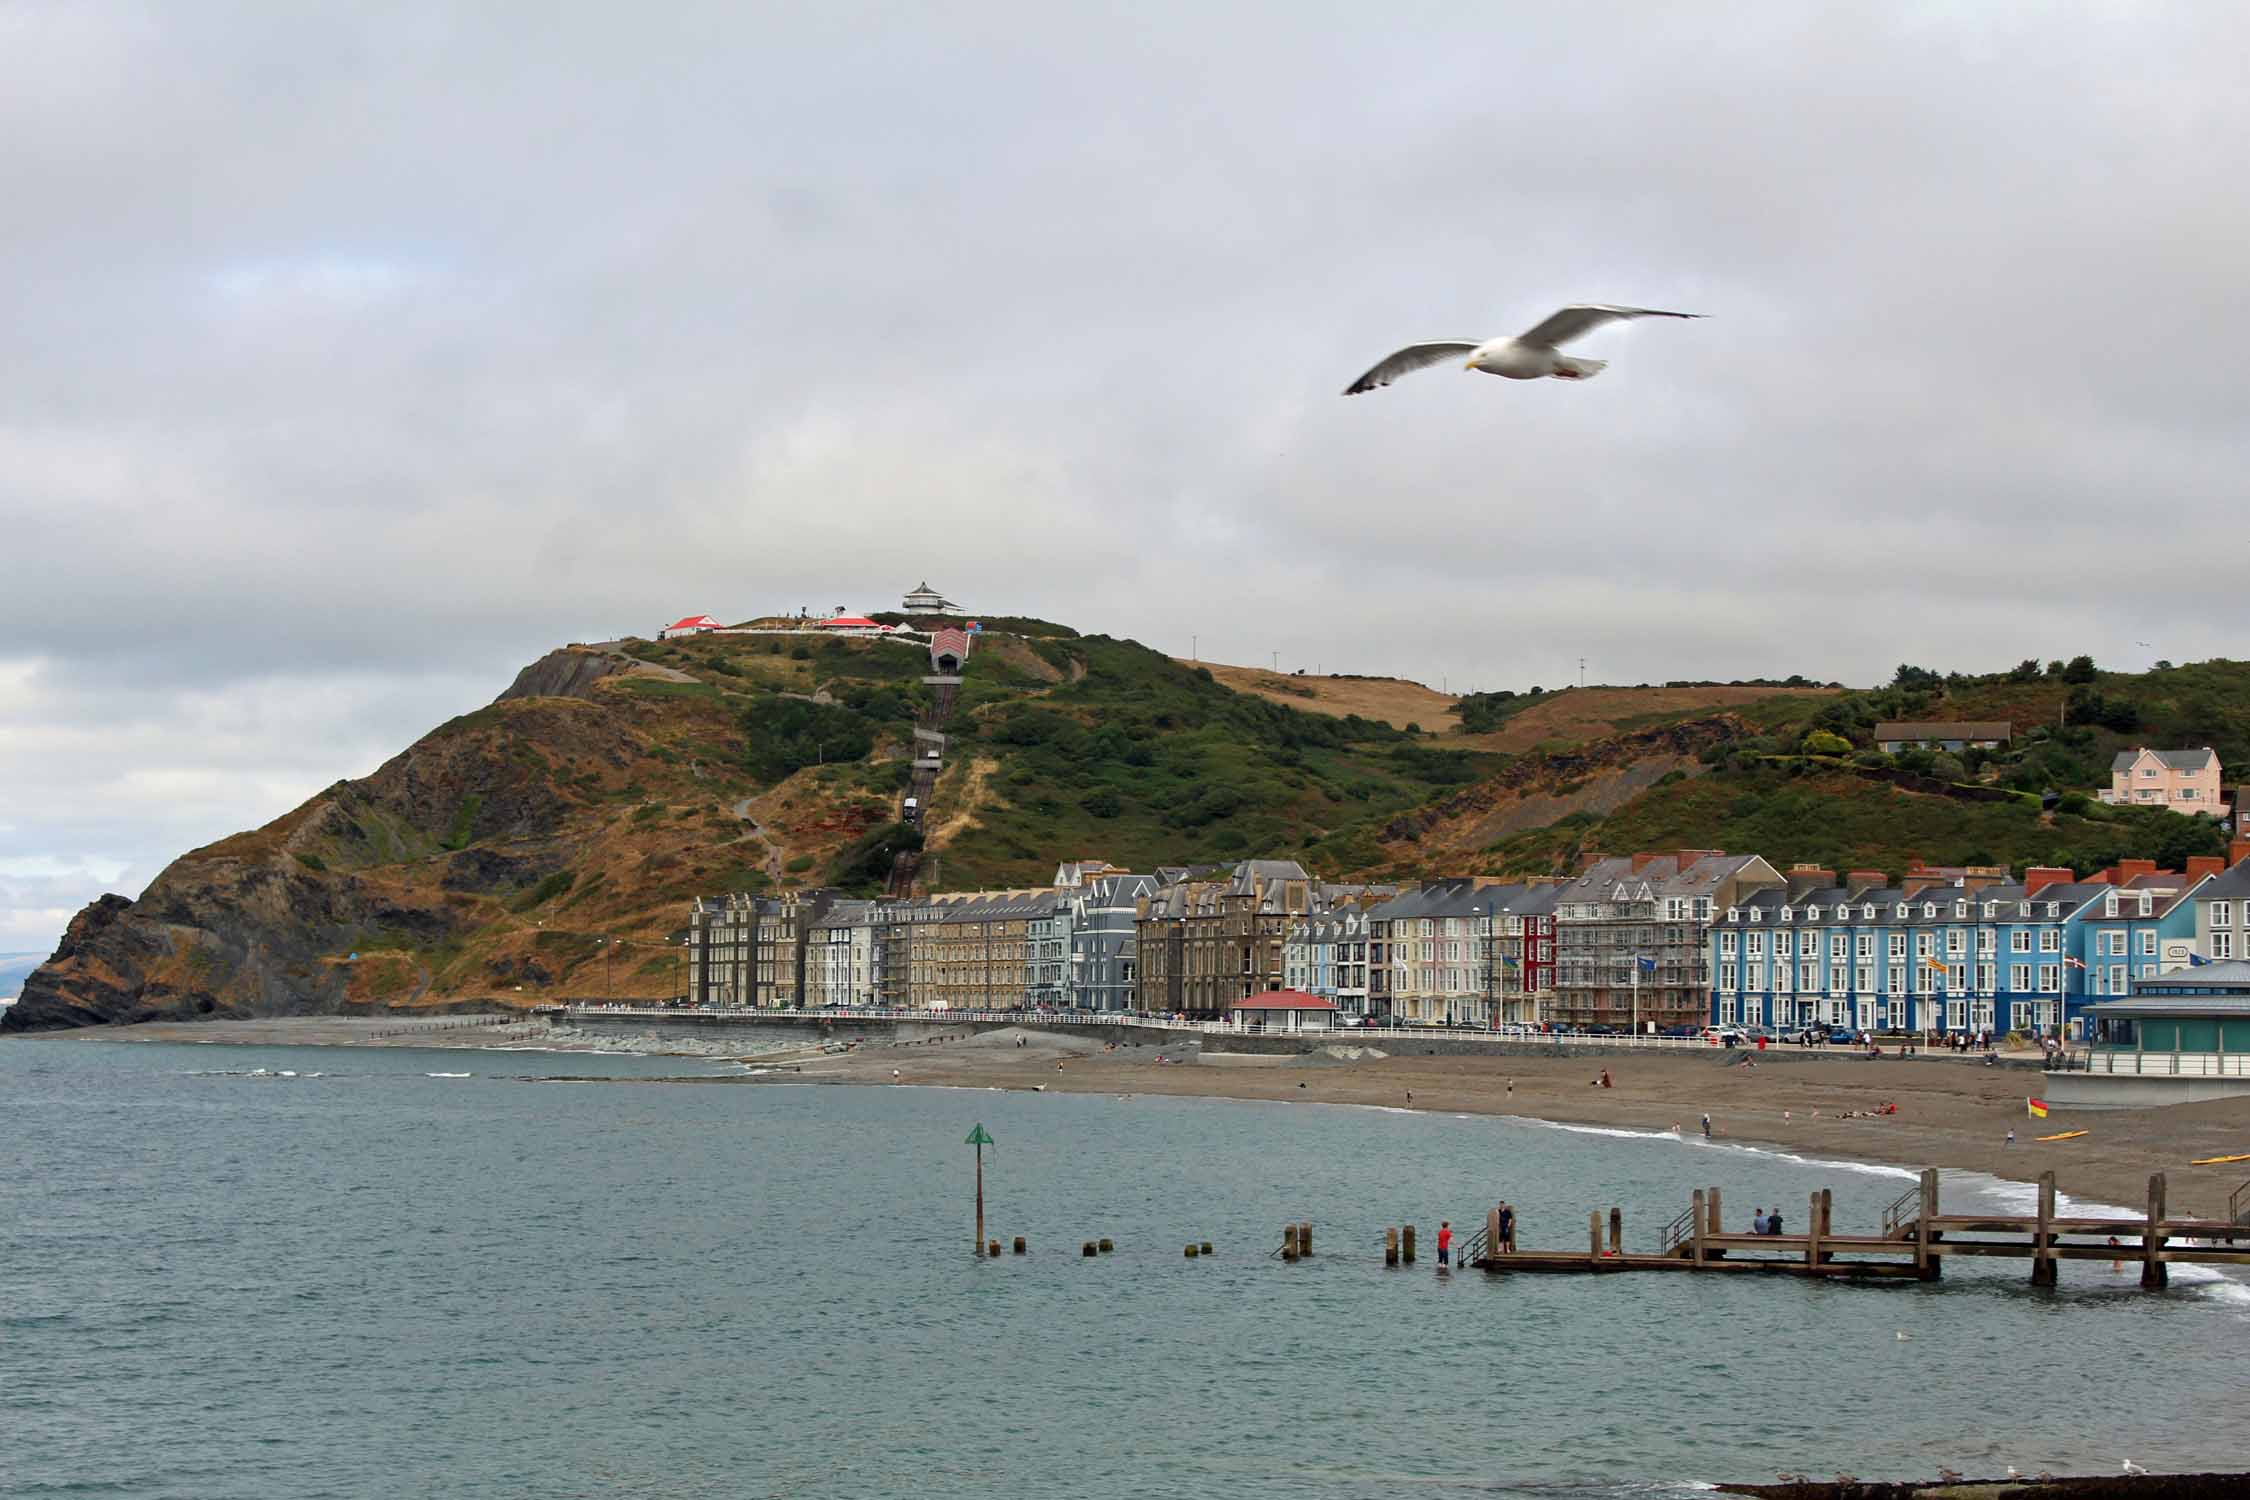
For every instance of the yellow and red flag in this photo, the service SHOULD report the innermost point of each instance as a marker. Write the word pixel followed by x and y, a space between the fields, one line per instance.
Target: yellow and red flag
pixel 2037 1107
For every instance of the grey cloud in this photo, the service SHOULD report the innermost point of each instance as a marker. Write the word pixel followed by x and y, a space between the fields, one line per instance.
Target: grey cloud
pixel 346 350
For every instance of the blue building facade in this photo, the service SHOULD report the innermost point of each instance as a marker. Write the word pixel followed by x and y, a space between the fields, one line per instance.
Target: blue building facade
pixel 1878 958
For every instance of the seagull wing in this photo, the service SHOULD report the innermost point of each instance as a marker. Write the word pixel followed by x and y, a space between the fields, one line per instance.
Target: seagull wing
pixel 1584 317
pixel 1413 357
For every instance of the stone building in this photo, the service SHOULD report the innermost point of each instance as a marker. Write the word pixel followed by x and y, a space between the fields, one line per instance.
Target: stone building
pixel 1207 944
pixel 749 951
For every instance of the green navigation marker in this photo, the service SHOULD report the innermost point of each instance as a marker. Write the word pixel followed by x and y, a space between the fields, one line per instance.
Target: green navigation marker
pixel 979 1138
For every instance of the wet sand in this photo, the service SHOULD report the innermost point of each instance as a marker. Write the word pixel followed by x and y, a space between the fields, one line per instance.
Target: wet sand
pixel 1950 1113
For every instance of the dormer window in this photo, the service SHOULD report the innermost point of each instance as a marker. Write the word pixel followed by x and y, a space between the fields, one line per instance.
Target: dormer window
pixel 1733 915
pixel 1867 912
pixel 1756 913
pixel 2023 908
pixel 1991 909
pixel 1788 914
pixel 1929 908
pixel 2054 908
pixel 1960 910
pixel 1900 911
pixel 1812 913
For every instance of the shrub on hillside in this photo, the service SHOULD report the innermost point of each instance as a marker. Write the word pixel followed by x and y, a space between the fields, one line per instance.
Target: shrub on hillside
pixel 1821 742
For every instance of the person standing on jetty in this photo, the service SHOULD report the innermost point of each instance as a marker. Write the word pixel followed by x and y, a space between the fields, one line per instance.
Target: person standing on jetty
pixel 1445 1242
pixel 1507 1227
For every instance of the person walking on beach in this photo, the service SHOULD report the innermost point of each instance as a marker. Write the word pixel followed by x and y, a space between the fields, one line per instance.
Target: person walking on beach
pixel 1707 1127
pixel 1445 1242
pixel 2011 1135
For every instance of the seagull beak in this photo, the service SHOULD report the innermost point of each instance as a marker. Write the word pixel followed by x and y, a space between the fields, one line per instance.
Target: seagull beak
pixel 1472 364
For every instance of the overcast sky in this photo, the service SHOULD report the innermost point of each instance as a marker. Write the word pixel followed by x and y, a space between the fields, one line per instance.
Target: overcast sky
pixel 350 363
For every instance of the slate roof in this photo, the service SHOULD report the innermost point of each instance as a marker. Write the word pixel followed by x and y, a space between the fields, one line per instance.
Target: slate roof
pixel 2229 885
pixel 1939 729
pixel 2178 760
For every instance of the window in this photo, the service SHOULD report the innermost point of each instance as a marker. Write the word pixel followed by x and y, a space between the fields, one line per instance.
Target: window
pixel 1867 912
pixel 2146 900
pixel 2050 978
pixel 1727 979
pixel 1757 912
pixel 1839 948
pixel 2222 914
pixel 1867 945
pixel 2148 942
pixel 1896 981
pixel 1984 979
pixel 1754 946
pixel 2023 908
pixel 1864 978
pixel 1897 949
pixel 1812 913
pixel 1956 942
pixel 2187 794
pixel 1986 941
pixel 1783 944
pixel 2222 945
pixel 2019 977
pixel 2054 908
pixel 1900 911
pixel 1726 945
pixel 1781 977
pixel 1991 909
pixel 2019 940
pixel 1836 979
pixel 2109 904
pixel 2114 942
pixel 2050 940
pixel 2117 979
pixel 1788 914
pixel 2148 772
pixel 1960 911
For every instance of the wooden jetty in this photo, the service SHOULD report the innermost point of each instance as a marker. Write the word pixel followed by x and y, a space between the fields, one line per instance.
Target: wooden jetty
pixel 1912 1244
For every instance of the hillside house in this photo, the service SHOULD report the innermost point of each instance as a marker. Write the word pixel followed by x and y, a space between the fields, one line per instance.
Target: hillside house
pixel 853 625
pixel 2186 781
pixel 1940 734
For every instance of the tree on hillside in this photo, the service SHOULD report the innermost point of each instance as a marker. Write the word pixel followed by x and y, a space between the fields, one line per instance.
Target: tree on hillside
pixel 1821 742
pixel 1912 678
pixel 2079 669
pixel 2026 670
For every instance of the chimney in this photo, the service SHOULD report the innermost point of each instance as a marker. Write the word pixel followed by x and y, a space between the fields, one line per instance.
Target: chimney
pixel 2200 865
pixel 2133 869
pixel 1856 881
pixel 1589 859
pixel 1803 878
pixel 2039 877
pixel 1917 880
pixel 1643 861
pixel 1690 856
pixel 2237 852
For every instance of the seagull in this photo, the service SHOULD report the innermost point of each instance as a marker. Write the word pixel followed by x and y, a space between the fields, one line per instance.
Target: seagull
pixel 2133 1468
pixel 1948 1476
pixel 1532 355
pixel 2014 1472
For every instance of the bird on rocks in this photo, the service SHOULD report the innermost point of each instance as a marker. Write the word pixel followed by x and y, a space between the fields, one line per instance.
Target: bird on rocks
pixel 2014 1472
pixel 1531 355
pixel 1948 1476
pixel 2133 1468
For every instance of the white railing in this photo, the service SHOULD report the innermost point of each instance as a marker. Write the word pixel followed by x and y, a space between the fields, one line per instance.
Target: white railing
pixel 2121 1063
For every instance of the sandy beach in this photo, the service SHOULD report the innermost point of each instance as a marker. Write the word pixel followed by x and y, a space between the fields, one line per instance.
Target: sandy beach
pixel 1950 1112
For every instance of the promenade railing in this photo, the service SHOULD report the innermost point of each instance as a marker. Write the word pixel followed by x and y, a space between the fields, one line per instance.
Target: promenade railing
pixel 2119 1062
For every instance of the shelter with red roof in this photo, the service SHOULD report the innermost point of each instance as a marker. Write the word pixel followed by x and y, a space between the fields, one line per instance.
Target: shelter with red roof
pixel 852 625
pixel 1287 1010
pixel 692 625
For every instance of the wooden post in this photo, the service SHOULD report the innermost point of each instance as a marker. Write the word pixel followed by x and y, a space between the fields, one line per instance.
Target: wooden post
pixel 1711 1201
pixel 1617 1232
pixel 1926 1265
pixel 1827 1220
pixel 2042 1240
pixel 1390 1247
pixel 1406 1244
pixel 1492 1233
pixel 1700 1220
pixel 1288 1242
pixel 1304 1239
pixel 2154 1272
pixel 1020 1246
pixel 1812 1231
pixel 1104 1245
pixel 980 1192
pixel 1594 1236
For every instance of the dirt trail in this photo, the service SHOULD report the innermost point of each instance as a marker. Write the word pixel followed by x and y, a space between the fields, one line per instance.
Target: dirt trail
pixel 972 796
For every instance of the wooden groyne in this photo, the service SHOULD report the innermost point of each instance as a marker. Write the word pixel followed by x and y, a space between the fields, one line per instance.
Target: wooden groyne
pixel 1912 1244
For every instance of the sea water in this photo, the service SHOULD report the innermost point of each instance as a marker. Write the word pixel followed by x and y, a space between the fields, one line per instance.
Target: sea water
pixel 217 1279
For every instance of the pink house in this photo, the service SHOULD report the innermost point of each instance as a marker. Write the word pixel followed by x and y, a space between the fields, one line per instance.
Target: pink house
pixel 2183 780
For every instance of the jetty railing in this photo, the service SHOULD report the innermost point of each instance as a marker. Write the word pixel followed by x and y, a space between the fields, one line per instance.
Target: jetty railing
pixel 2238 1205
pixel 1904 1209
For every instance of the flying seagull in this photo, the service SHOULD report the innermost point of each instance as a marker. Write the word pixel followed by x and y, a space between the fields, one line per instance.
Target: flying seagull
pixel 1532 355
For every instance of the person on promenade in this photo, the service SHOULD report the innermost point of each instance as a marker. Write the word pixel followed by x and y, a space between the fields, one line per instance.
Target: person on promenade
pixel 1445 1242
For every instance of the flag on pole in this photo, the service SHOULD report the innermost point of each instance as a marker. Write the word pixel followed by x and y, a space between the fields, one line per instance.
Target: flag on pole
pixel 1648 965
pixel 2073 963
pixel 2037 1108
pixel 2197 960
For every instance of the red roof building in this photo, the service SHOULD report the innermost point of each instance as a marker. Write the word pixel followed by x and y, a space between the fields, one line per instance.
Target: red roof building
pixel 850 622
pixel 692 625
pixel 1286 1010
